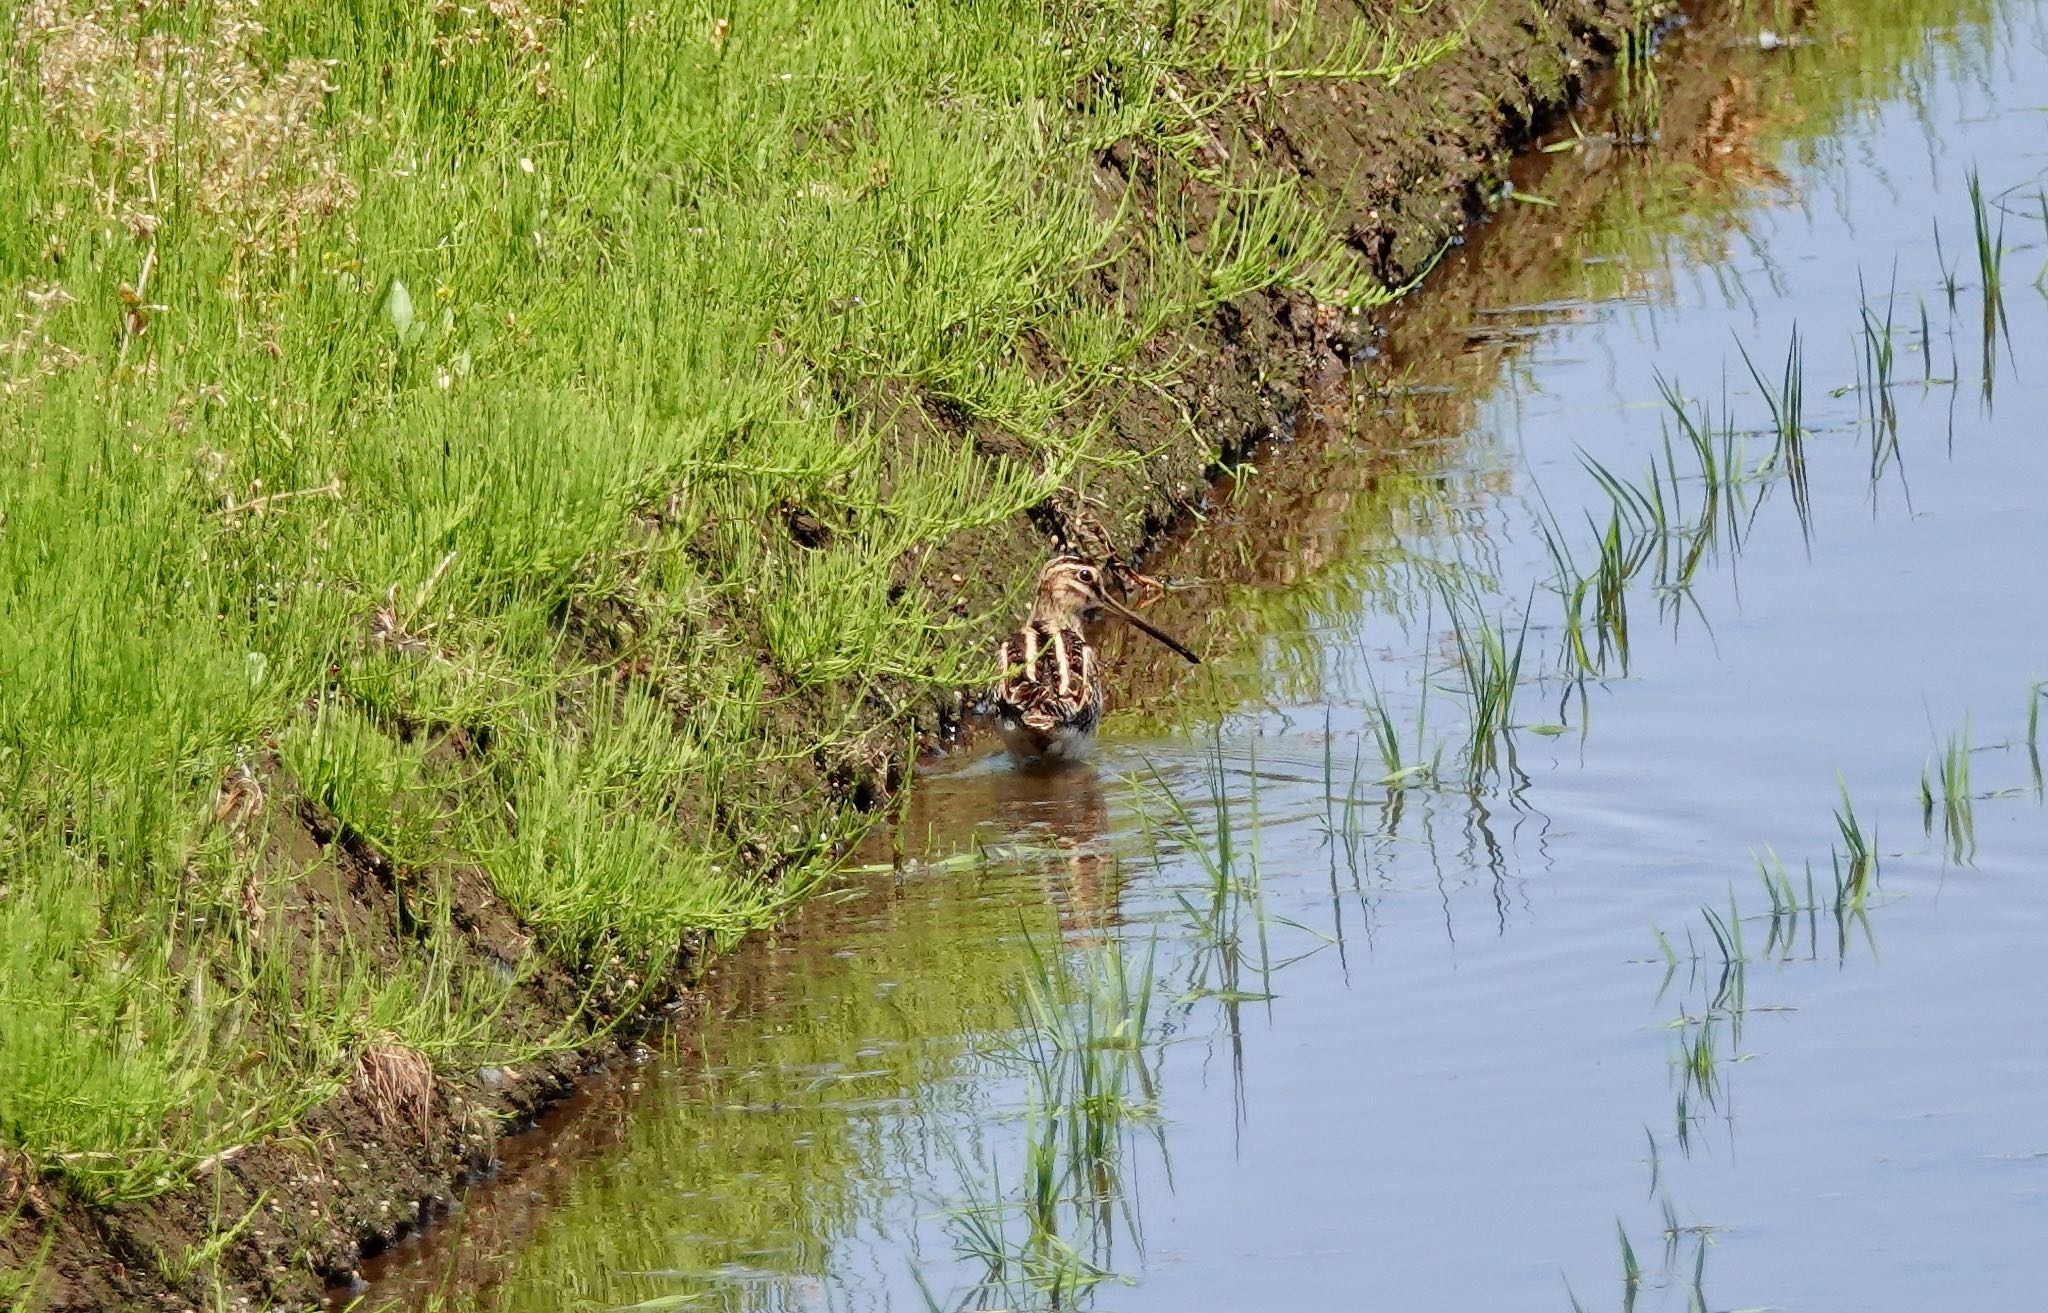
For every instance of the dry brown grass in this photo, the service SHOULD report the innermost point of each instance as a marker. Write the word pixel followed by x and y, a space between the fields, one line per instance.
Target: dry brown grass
pixel 243 140
pixel 523 28
pixel 30 353
pixel 397 1083
pixel 20 1192
pixel 240 798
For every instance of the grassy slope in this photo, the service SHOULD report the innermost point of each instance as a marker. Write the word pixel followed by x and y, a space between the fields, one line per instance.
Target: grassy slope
pixel 403 411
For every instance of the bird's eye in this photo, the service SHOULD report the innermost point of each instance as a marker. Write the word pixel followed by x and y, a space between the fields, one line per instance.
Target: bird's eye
pixel 1085 576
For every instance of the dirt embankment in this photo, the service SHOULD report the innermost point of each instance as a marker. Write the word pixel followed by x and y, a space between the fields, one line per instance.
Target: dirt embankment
pixel 1401 166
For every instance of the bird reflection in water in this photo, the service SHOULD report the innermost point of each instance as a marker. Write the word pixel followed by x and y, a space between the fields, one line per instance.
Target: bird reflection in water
pixel 1058 819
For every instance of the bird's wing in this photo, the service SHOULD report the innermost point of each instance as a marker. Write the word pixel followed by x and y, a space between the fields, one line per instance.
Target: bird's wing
pixel 1048 677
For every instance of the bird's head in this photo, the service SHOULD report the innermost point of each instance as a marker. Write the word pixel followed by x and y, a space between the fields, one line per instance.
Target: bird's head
pixel 1072 590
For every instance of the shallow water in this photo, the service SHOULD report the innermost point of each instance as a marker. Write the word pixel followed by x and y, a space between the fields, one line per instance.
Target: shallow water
pixel 1444 1042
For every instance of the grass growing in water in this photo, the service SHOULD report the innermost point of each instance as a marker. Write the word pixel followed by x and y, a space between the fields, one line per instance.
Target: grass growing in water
pixel 1786 400
pixel 1490 662
pixel 2035 694
pixel 1990 274
pixel 1946 791
pixel 1874 381
pixel 1080 1045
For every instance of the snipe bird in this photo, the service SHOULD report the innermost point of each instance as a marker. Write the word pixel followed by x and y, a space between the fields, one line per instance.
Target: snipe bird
pixel 1048 699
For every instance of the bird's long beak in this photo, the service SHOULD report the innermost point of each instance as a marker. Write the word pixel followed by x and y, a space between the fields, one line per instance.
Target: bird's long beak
pixel 1131 617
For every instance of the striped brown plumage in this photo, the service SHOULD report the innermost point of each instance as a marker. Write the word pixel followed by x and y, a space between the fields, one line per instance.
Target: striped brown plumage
pixel 1048 697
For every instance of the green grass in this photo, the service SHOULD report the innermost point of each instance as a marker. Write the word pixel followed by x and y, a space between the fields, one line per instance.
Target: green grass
pixel 1489 663
pixel 403 411
pixel 1227 910
pixel 1990 275
pixel 1874 378
pixel 1786 401
pixel 2035 693
pixel 1945 792
pixel 1081 1045
pixel 1631 1270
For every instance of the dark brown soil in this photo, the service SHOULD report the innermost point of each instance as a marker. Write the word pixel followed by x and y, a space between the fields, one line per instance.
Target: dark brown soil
pixel 1401 168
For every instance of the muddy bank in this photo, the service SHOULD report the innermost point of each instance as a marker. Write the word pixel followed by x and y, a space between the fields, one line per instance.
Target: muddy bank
pixel 1403 167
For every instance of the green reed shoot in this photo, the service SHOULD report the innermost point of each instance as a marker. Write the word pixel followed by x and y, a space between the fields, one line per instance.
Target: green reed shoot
pixel 1081 1035
pixel 1345 831
pixel 1951 286
pixel 1388 740
pixel 1777 885
pixel 1786 907
pixel 1572 589
pixel 1948 789
pixel 2041 205
pixel 1874 384
pixel 1698 1068
pixel 1727 931
pixel 1040 1267
pixel 1786 400
pixel 1926 343
pixel 2035 693
pixel 1257 883
pixel 1398 770
pixel 1621 557
pixel 1857 850
pixel 1492 670
pixel 1352 827
pixel 1850 892
pixel 1664 948
pixel 1990 263
pixel 1717 468
pixel 977 1226
pixel 1639 96
pixel 1855 870
pixel 1643 508
pixel 1233 881
pixel 1641 522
